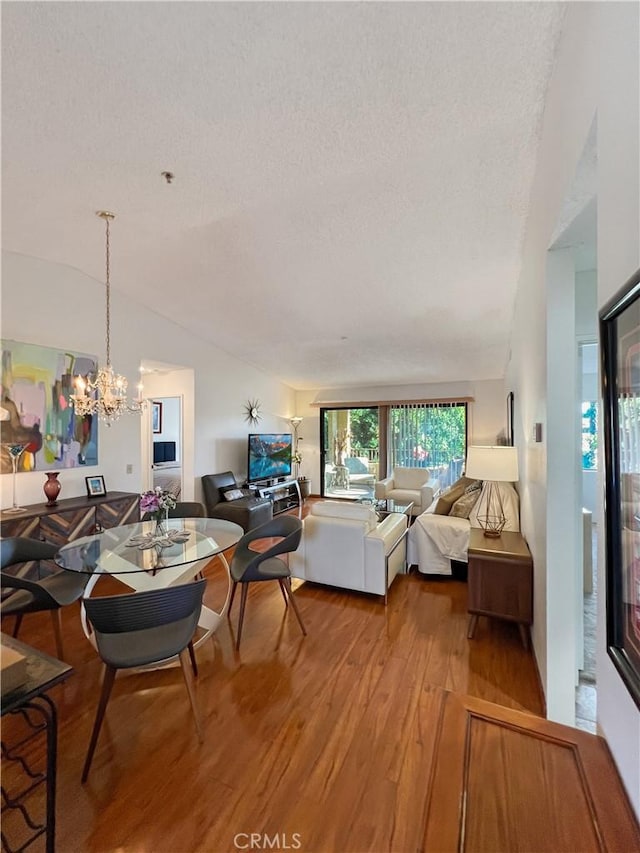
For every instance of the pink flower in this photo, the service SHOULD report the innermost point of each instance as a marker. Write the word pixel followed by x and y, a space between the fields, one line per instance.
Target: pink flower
pixel 149 502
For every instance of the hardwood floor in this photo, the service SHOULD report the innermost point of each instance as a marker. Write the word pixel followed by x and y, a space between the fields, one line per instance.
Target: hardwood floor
pixel 326 741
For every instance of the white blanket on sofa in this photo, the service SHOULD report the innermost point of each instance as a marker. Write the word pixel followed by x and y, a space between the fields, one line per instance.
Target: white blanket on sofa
pixel 435 540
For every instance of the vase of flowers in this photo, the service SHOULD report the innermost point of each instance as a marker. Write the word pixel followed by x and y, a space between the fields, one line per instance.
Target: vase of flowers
pixel 157 503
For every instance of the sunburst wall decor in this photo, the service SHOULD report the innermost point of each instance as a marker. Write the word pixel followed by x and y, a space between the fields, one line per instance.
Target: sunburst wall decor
pixel 252 412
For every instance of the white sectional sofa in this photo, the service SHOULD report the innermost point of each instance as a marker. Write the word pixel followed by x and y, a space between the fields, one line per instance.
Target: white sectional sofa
pixel 346 545
pixel 434 540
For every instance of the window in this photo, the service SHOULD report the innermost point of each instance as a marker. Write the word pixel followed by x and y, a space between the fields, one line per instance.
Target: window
pixel 588 356
pixel 590 435
pixel 429 435
pixel 362 445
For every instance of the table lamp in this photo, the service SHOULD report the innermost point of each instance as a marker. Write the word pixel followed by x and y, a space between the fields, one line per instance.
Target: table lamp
pixel 492 465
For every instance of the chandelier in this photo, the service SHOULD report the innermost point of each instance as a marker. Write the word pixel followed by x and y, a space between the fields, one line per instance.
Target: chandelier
pixel 105 393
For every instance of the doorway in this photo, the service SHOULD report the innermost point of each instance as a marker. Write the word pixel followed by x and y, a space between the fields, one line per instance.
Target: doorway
pixel 349 456
pixel 586 691
pixel 166 439
pixel 168 429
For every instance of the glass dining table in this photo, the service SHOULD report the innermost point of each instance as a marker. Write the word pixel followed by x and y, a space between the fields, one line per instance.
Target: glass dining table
pixel 143 558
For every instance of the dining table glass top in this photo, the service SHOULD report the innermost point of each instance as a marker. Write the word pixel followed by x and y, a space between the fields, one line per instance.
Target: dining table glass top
pixel 139 548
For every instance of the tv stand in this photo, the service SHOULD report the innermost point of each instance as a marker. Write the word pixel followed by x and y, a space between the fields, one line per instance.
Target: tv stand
pixel 284 495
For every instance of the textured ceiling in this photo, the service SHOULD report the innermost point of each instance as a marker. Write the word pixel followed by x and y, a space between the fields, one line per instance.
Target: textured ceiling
pixel 351 179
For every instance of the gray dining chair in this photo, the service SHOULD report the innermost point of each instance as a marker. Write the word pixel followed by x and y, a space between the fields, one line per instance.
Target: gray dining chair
pixel 142 628
pixel 30 595
pixel 249 566
pixel 183 509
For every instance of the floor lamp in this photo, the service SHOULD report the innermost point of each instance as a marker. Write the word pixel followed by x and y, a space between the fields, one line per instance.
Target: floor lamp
pixel 493 465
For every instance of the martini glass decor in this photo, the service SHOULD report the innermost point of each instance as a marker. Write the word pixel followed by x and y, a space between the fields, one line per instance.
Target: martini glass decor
pixel 15 452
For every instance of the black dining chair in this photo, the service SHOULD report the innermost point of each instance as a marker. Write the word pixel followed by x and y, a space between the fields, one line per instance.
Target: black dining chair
pixel 142 628
pixel 32 596
pixel 249 566
pixel 183 509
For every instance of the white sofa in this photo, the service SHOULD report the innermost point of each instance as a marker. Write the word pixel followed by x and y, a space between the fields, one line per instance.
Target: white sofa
pixel 409 484
pixel 434 540
pixel 347 546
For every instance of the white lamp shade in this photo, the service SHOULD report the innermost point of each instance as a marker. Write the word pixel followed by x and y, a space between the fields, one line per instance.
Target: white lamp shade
pixel 492 463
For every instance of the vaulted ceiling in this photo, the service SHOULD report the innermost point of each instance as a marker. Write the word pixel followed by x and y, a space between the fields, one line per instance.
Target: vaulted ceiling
pixel 352 180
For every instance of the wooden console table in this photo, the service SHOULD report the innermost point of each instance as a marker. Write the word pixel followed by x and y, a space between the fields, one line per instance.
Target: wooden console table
pixel 71 517
pixel 500 580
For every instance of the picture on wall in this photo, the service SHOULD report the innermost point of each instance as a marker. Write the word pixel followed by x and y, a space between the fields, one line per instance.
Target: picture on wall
pixel 620 346
pixel 156 417
pixel 35 410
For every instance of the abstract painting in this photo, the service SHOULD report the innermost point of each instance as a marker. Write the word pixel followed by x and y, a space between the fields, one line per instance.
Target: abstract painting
pixel 35 410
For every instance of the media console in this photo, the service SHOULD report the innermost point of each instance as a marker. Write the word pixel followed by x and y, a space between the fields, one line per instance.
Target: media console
pixel 284 495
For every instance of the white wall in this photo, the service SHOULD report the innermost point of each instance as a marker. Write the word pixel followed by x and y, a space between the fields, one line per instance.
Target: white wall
pixel 564 494
pixel 57 306
pixel 587 304
pixel 596 72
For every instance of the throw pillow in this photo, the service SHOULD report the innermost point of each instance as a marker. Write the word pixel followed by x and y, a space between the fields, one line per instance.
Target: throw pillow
pixel 463 506
pixel 448 498
pixel 233 494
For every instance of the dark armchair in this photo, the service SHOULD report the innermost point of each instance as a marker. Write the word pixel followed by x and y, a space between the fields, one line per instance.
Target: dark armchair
pixel 248 512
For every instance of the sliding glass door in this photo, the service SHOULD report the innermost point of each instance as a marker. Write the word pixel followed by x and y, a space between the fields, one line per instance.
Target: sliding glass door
pixel 350 452
pixel 362 445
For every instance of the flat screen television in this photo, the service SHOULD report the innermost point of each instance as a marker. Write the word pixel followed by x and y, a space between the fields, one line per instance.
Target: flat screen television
pixel 164 451
pixel 269 456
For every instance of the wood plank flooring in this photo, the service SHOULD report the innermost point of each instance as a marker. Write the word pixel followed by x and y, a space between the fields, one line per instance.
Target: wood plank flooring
pixel 325 741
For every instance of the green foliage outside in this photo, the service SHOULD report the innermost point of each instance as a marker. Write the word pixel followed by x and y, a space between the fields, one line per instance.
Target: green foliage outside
pixel 429 437
pixel 363 426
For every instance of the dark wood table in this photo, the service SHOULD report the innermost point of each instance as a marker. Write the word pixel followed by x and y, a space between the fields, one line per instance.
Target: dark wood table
pixel 500 580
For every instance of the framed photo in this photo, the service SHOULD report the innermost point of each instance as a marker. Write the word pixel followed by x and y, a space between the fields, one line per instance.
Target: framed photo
pixel 156 417
pixel 95 486
pixel 620 353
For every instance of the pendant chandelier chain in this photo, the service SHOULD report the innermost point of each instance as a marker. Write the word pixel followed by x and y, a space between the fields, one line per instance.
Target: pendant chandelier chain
pixel 107 219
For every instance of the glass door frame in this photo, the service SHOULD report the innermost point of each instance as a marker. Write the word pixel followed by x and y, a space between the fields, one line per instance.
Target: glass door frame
pixel 326 454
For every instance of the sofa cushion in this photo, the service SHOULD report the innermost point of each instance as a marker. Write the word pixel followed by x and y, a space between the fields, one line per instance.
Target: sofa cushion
pixel 405 496
pixel 410 478
pixel 337 509
pixel 463 506
pixel 452 494
pixel 232 494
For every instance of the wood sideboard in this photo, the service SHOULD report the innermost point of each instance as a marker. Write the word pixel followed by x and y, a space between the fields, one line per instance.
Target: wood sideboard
pixel 71 517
